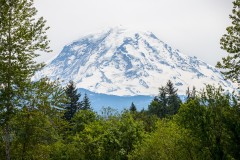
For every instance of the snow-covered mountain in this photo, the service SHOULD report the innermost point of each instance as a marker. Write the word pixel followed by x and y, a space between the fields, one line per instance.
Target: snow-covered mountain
pixel 125 62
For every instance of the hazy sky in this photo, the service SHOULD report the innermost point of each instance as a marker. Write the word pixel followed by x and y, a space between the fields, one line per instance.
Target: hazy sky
pixel 192 26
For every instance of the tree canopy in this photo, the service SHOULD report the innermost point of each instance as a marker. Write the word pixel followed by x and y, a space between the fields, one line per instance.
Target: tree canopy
pixel 230 42
pixel 21 35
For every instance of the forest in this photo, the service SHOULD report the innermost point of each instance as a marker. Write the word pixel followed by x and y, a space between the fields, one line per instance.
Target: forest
pixel 44 120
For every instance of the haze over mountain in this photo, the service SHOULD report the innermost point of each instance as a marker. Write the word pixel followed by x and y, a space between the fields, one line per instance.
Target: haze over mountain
pixel 125 62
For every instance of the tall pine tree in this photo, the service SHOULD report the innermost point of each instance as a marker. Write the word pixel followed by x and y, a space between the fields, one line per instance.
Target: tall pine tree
pixel 230 42
pixel 166 103
pixel 133 108
pixel 73 104
pixel 20 36
pixel 173 99
pixel 159 104
pixel 86 104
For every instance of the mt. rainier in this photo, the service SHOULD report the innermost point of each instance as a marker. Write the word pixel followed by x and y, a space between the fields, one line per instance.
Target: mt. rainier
pixel 123 62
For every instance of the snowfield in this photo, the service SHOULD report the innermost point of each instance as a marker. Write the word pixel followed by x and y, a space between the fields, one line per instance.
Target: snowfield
pixel 125 62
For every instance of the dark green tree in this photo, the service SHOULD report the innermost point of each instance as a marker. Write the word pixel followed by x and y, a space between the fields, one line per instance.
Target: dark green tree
pixel 86 104
pixel 163 95
pixel 213 121
pixel 233 125
pixel 173 101
pixel 163 101
pixel 166 103
pixel 73 104
pixel 133 107
pixel 20 36
pixel 159 104
pixel 230 42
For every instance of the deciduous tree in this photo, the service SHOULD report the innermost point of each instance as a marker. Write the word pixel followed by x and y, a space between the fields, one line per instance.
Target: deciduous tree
pixel 21 35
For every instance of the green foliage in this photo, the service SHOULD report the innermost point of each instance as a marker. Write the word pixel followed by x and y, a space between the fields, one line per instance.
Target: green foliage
pixel 81 119
pixel 169 141
pixel 86 104
pixel 69 151
pixel 230 42
pixel 120 136
pixel 149 121
pixel 43 95
pixel 173 99
pixel 100 138
pixel 33 132
pixel 207 126
pixel 166 103
pixel 20 36
pixel 133 108
pixel 209 120
pixel 72 105
pixel 233 126
pixel 37 121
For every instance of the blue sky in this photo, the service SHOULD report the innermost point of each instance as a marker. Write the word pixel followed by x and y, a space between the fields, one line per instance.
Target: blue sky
pixel 192 26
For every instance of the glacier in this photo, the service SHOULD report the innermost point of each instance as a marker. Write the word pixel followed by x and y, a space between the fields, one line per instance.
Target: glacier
pixel 124 62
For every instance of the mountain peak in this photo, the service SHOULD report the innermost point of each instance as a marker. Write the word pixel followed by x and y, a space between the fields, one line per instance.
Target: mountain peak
pixel 122 61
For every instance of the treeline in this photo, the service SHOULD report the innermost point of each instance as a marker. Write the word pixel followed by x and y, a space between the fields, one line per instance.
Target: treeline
pixel 205 126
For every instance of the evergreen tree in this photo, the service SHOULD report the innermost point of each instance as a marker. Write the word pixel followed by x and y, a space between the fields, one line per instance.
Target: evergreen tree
pixel 154 107
pixel 20 36
pixel 163 99
pixel 173 99
pixel 133 107
pixel 230 42
pixel 166 103
pixel 72 106
pixel 86 104
pixel 159 104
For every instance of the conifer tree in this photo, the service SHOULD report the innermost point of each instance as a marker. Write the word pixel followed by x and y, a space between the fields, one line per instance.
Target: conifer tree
pixel 72 106
pixel 133 107
pixel 173 99
pixel 86 104
pixel 166 103
pixel 163 97
pixel 159 104
pixel 230 42
pixel 20 36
